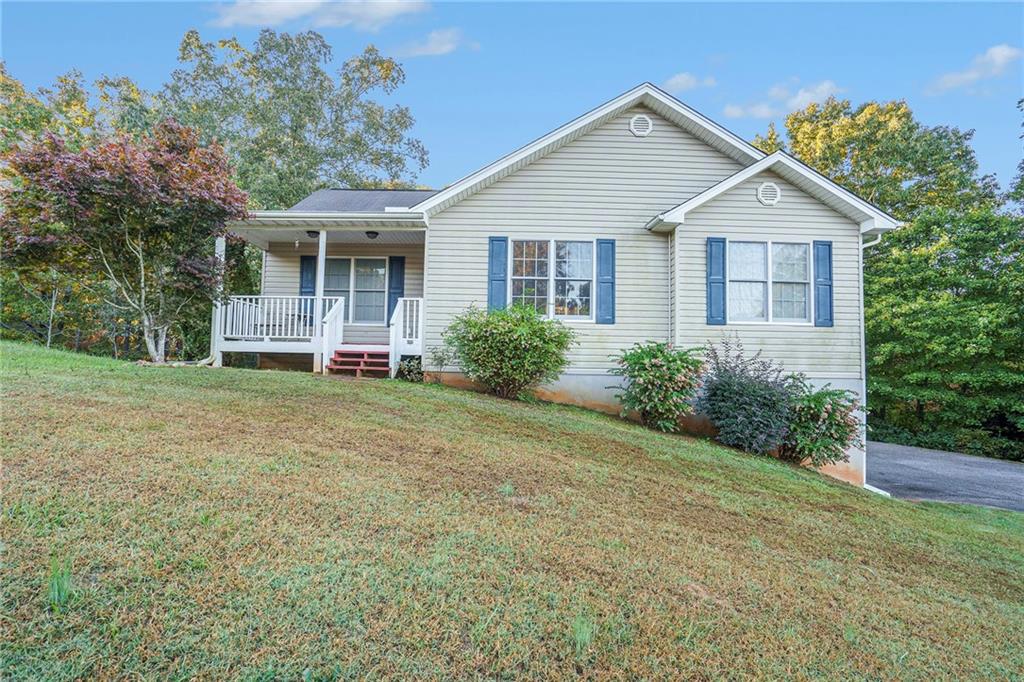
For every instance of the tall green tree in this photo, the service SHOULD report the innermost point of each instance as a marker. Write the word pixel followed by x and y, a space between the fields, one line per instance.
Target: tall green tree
pixel 944 319
pixel 289 125
pixel 882 153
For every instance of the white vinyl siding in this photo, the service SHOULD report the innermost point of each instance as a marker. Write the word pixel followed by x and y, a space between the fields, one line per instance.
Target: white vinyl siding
pixel 829 352
pixel 606 184
pixel 281 276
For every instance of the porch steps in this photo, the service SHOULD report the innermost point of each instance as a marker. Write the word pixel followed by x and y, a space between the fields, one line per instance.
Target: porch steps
pixel 360 361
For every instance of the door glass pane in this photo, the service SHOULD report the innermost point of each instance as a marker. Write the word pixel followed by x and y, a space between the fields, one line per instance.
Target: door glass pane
pixel 789 262
pixel 368 306
pixel 370 273
pixel 747 301
pixel 336 277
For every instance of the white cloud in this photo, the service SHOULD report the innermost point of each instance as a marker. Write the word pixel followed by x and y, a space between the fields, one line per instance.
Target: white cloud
pixel 815 93
pixel 439 42
pixel 364 15
pixel 756 110
pixel 687 81
pixel 782 100
pixel 991 63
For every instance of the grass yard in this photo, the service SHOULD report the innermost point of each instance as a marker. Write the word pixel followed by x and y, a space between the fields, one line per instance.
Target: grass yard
pixel 177 523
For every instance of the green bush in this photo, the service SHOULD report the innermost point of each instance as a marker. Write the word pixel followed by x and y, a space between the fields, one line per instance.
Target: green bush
pixel 507 351
pixel 661 383
pixel 822 425
pixel 748 399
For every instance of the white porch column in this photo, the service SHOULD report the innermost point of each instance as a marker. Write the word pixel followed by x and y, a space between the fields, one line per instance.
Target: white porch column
pixel 318 304
pixel 216 327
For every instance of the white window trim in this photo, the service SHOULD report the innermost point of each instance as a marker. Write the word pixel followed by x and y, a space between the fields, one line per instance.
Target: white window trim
pixel 349 302
pixel 551 275
pixel 809 322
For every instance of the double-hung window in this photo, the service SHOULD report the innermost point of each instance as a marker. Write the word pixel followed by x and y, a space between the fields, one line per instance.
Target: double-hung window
pixel 554 276
pixel 769 282
pixel 363 284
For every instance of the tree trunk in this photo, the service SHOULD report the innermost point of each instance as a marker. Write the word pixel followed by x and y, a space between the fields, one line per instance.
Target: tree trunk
pixel 155 339
pixel 49 323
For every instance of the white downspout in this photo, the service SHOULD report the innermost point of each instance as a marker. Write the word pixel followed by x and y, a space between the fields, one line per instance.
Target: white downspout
pixel 864 355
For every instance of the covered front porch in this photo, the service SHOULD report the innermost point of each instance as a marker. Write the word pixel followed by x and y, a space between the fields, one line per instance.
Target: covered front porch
pixel 345 291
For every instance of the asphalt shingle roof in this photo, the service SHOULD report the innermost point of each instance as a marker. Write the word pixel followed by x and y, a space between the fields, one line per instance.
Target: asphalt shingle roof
pixel 361 200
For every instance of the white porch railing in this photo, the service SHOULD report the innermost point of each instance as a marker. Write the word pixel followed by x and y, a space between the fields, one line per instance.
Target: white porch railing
pixel 333 331
pixel 406 330
pixel 273 318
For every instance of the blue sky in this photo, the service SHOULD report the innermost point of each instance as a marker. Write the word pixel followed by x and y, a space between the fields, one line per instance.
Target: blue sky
pixel 484 79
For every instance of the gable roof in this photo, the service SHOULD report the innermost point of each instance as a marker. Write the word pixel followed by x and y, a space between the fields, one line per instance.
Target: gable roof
pixel 644 94
pixel 843 201
pixel 360 200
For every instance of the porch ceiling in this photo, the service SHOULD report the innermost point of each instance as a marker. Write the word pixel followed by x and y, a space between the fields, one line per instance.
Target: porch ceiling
pixel 262 229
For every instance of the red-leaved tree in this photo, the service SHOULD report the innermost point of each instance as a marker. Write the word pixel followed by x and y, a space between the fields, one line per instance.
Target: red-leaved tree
pixel 142 213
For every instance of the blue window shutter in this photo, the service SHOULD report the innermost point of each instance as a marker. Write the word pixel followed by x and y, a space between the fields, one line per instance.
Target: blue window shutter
pixel 605 281
pixel 307 276
pixel 823 284
pixel 497 273
pixel 716 280
pixel 396 282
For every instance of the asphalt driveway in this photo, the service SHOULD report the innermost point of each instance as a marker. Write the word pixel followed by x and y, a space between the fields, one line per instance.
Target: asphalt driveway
pixel 920 474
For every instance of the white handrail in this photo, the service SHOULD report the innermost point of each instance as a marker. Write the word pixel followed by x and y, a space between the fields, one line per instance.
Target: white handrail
pixel 406 331
pixel 333 331
pixel 251 318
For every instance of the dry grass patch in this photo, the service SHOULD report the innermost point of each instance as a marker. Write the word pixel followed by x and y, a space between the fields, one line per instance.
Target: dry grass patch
pixel 232 523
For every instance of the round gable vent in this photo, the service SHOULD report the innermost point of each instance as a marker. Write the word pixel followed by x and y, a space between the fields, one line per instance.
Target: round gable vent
pixel 641 125
pixel 768 193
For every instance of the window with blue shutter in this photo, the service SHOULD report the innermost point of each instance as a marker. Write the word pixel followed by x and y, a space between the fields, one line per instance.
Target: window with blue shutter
pixel 605 281
pixel 823 316
pixel 396 282
pixel 497 273
pixel 716 280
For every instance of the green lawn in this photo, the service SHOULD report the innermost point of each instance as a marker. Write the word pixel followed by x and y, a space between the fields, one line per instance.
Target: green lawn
pixel 184 522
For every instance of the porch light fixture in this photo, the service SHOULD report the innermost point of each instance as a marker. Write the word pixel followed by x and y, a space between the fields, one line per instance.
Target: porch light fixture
pixel 372 235
pixel 312 234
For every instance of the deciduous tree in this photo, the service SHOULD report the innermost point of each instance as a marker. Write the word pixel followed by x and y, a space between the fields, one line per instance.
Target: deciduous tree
pixel 288 124
pixel 944 318
pixel 881 152
pixel 143 212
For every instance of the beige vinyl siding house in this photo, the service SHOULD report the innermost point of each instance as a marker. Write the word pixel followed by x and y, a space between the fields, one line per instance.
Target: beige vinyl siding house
pixel 641 220
pixel 606 184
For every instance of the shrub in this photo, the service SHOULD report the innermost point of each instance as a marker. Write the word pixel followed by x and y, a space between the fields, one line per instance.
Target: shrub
pixel 822 425
pixel 411 369
pixel 748 399
pixel 661 383
pixel 509 350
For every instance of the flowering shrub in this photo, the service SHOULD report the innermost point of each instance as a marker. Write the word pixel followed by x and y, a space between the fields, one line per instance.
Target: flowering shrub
pixel 508 351
pixel 822 426
pixel 748 399
pixel 661 383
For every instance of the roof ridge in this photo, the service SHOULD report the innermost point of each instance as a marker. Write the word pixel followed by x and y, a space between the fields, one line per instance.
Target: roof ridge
pixel 375 189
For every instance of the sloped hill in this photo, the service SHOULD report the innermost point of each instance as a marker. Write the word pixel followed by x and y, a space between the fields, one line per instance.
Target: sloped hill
pixel 234 523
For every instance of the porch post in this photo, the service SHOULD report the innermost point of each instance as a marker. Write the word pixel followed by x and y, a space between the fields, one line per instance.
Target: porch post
pixel 219 250
pixel 318 303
